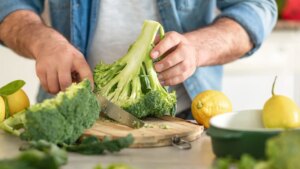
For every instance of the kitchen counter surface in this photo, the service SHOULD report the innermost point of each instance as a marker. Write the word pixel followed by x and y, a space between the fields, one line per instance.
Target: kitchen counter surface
pixel 199 157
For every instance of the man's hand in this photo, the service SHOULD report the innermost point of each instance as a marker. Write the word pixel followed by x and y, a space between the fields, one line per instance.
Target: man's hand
pixel 220 43
pixel 58 63
pixel 180 59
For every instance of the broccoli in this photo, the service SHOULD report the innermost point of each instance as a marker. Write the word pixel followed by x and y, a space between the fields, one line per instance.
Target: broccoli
pixel 58 120
pixel 283 151
pixel 37 155
pixel 131 82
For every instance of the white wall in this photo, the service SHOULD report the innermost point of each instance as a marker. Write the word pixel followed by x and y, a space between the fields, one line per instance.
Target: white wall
pixel 248 82
pixel 13 67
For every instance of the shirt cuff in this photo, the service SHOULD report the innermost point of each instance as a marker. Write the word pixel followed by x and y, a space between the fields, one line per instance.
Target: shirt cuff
pixel 10 6
pixel 250 21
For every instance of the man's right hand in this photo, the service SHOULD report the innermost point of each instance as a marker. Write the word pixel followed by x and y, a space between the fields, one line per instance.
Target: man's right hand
pixel 58 63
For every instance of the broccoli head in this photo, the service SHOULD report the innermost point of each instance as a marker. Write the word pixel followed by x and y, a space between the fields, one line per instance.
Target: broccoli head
pixel 131 82
pixel 58 120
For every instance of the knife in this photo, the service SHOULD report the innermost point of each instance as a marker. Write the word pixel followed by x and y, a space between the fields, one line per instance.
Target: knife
pixel 116 113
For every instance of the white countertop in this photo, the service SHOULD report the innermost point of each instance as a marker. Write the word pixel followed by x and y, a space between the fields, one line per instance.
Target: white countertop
pixel 199 157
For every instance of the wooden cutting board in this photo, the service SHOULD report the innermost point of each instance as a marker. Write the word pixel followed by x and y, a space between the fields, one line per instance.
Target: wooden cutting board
pixel 157 131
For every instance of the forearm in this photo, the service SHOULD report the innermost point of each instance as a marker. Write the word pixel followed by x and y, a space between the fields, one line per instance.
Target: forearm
pixel 57 61
pixel 222 42
pixel 24 32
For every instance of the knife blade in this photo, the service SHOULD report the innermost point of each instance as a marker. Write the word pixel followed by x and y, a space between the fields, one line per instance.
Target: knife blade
pixel 116 113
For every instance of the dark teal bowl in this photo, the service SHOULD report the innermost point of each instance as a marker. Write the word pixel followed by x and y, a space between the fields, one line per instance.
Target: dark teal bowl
pixel 237 133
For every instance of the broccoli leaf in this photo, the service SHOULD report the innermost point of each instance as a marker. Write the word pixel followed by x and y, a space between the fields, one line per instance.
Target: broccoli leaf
pixel 37 155
pixel 59 154
pixel 92 145
pixel 283 151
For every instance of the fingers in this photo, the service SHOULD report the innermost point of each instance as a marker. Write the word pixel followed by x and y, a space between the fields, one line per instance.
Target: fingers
pixel 170 60
pixel 176 74
pixel 170 40
pixel 157 39
pixel 82 68
pixel 179 60
pixel 56 68
pixel 64 77
pixel 52 81
pixel 42 76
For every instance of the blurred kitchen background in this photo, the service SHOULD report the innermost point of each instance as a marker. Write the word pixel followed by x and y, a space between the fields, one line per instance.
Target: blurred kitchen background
pixel 247 82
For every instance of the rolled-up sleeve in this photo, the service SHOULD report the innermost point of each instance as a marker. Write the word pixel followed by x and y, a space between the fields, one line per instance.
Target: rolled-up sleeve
pixel 257 17
pixel 9 6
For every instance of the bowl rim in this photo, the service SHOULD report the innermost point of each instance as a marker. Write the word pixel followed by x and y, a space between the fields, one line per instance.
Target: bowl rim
pixel 260 130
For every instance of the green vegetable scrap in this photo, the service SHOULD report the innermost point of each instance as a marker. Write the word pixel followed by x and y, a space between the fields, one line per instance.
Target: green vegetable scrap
pixel 164 126
pixel 37 155
pixel 92 145
pixel 113 166
pixel 58 120
pixel 132 83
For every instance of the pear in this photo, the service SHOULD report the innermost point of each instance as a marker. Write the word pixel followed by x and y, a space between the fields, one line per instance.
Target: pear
pixel 280 112
pixel 2 109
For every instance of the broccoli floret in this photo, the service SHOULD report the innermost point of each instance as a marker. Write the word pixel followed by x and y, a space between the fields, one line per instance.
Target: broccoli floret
pixel 131 82
pixel 58 120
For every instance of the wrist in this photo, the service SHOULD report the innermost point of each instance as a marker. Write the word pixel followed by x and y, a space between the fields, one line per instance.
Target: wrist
pixel 45 39
pixel 222 42
pixel 205 41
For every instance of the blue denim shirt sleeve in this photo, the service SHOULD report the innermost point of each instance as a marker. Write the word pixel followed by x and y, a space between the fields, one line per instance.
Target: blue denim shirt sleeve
pixel 257 17
pixel 9 6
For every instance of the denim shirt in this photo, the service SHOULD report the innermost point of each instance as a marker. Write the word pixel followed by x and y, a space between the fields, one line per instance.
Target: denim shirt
pixel 76 20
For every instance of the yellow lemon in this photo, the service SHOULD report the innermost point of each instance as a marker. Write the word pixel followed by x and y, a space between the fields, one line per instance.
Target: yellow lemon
pixel 280 112
pixel 17 102
pixel 208 104
pixel 2 109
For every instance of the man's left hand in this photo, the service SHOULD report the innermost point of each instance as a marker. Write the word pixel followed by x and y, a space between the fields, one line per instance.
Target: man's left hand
pixel 179 59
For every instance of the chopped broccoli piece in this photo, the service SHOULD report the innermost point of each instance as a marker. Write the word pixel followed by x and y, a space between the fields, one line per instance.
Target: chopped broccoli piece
pixel 37 155
pixel 113 166
pixel 58 120
pixel 131 82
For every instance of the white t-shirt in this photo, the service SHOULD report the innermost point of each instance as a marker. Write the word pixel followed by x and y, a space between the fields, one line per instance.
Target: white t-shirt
pixel 119 24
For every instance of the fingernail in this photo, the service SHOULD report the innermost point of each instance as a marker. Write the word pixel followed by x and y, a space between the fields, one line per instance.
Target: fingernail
pixel 155 54
pixel 162 82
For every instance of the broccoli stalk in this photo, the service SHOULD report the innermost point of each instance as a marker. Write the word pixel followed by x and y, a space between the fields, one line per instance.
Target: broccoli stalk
pixel 62 119
pixel 131 82
pixel 11 124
